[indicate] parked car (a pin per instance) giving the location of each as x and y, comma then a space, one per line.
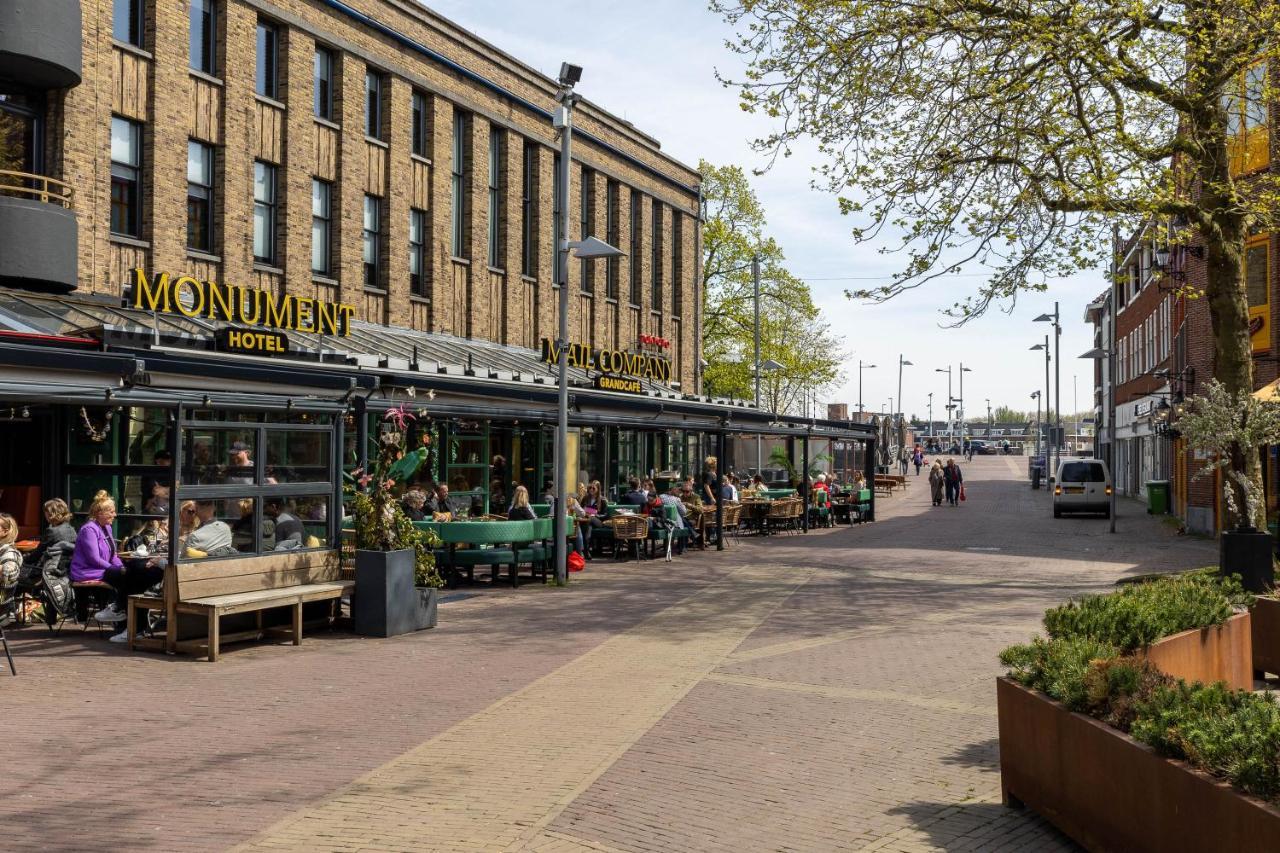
1082, 485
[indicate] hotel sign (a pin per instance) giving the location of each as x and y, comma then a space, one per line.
208, 300
251, 342
612, 362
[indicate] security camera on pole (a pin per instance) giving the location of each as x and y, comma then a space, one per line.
586, 249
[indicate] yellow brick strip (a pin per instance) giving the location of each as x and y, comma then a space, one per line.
861, 693
496, 780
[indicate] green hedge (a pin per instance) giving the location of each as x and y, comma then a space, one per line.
1086, 663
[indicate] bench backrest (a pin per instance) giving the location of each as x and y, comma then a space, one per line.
204, 578
774, 494
482, 532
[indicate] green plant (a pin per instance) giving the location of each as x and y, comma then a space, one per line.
380, 522
1113, 688
1057, 667
1137, 615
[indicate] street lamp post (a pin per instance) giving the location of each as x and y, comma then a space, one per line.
902, 362
1055, 319
990, 425
1047, 358
587, 248
861, 367
950, 400
1035, 395
930, 414
963, 371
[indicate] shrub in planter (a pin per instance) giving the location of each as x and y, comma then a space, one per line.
1057, 667
1137, 615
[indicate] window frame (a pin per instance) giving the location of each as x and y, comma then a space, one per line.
529, 210
269, 208
209, 31
635, 293
558, 271
202, 195
677, 262
374, 103
371, 242
458, 180
136, 21
586, 217
268, 79
420, 138
418, 252
326, 221
613, 194
322, 82
655, 255
127, 175
497, 192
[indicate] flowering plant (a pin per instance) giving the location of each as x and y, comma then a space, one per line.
380, 521
1220, 424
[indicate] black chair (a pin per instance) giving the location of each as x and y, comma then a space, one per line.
8, 613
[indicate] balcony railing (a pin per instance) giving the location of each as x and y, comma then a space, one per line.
39, 187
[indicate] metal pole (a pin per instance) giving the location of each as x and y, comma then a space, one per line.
859, 389
900, 380
1057, 383
562, 426
755, 283
962, 408
1048, 454
930, 414
1111, 371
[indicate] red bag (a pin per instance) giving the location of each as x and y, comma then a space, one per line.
962, 491
575, 562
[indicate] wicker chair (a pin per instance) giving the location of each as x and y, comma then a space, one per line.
795, 509
778, 517
732, 518
633, 530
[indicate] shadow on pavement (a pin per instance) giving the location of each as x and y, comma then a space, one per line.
951, 826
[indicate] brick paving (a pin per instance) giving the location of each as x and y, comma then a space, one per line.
820, 692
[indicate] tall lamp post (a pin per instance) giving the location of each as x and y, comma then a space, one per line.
963, 371
861, 367
587, 248
1035, 395
902, 362
1047, 358
990, 425
930, 414
1055, 319
950, 400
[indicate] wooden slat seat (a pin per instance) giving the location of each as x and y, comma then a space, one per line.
221, 587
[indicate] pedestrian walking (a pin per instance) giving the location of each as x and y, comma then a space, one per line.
902, 461
954, 482
936, 480
918, 459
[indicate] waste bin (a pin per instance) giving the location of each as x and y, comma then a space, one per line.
1157, 497
1036, 471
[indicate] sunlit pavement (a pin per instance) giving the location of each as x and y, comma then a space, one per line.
811, 692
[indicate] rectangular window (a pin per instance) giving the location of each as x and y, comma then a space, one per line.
126, 22
371, 236
323, 80
677, 262
373, 104
421, 115
557, 221
204, 35
612, 237
529, 211
655, 257
458, 175
497, 198
418, 252
587, 216
199, 196
126, 177
321, 226
1257, 276
264, 212
637, 288
267, 81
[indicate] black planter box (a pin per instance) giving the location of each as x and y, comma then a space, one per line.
1248, 553
385, 602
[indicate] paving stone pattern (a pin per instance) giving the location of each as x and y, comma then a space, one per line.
832, 691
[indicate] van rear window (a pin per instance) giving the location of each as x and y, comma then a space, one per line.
1083, 472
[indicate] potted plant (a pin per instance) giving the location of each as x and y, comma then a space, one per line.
1219, 425
397, 585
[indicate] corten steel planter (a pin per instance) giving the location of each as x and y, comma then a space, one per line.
1264, 620
1111, 793
1221, 653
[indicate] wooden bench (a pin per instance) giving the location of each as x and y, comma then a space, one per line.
885, 483
215, 588
898, 479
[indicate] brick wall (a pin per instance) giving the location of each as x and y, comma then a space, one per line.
476, 298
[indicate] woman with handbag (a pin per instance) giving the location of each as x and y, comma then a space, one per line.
954, 482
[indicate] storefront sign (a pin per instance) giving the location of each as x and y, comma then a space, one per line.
617, 383
655, 341
613, 361
208, 300
253, 343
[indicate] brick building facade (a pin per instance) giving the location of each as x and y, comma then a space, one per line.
405, 134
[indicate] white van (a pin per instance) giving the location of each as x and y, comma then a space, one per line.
1082, 485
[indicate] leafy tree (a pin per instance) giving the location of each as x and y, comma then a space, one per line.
1014, 134
792, 332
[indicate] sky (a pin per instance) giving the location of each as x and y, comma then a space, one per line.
654, 63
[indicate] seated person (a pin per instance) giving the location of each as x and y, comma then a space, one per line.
289, 533
10, 556
520, 509
859, 483
212, 538
56, 543
634, 495
412, 503
594, 504
443, 504
95, 549
689, 495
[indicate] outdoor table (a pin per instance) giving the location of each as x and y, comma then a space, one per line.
756, 509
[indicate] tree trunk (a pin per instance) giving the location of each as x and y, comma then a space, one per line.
1229, 314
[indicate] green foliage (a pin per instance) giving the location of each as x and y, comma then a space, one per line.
1057, 667
1233, 734
1139, 614
792, 331
1113, 688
